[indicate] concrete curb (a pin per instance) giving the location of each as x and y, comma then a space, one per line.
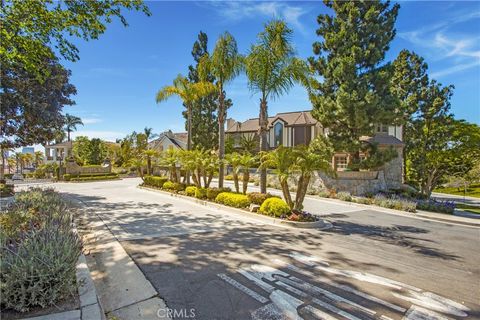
90, 305
320, 225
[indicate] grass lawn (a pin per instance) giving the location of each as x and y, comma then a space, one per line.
472, 191
466, 207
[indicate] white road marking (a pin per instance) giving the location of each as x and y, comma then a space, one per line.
418, 313
265, 286
342, 287
384, 317
287, 304
242, 288
319, 314
268, 311
435, 302
308, 260
267, 272
295, 282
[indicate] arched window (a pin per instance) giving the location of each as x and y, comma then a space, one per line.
278, 134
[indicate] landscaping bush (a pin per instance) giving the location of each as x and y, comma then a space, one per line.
8, 175
394, 202
233, 199
259, 198
190, 191
274, 207
324, 193
212, 193
6, 190
201, 193
436, 206
229, 177
363, 200
173, 186
154, 181
344, 196
67, 177
39, 251
95, 178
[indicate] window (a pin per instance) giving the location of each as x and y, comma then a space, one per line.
341, 163
278, 134
382, 128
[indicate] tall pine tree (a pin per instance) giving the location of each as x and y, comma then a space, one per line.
204, 117
352, 92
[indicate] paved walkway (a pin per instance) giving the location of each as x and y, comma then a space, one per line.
214, 264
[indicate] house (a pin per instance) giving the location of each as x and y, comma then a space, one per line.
299, 127
169, 140
58, 152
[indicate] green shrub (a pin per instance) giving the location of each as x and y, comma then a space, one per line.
154, 181
6, 190
274, 207
324, 193
179, 186
233, 199
190, 191
201, 193
344, 196
173, 186
67, 177
212, 193
95, 178
8, 175
259, 198
229, 177
39, 251
394, 202
364, 200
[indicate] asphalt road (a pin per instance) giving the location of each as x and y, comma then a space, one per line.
213, 264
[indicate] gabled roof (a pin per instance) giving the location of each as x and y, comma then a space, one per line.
178, 139
383, 140
290, 118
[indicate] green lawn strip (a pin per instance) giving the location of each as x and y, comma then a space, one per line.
468, 208
472, 191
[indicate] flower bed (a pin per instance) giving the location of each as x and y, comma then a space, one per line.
39, 251
270, 205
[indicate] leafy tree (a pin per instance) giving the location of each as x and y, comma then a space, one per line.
203, 111
353, 92
189, 93
224, 65
31, 27
438, 145
31, 110
272, 69
89, 152
71, 123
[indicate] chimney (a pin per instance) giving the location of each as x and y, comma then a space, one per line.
169, 134
230, 122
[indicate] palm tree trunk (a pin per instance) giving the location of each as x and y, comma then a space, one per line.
235, 180
221, 137
286, 192
263, 123
301, 191
189, 139
149, 165
68, 135
246, 178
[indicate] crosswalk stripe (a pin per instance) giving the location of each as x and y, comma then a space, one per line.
319, 314
242, 288
265, 286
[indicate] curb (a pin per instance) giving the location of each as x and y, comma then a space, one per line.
90, 306
320, 225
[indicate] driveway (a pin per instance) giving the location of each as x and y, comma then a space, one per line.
214, 264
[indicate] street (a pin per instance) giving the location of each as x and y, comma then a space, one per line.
222, 265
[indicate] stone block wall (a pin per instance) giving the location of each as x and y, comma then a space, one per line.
73, 168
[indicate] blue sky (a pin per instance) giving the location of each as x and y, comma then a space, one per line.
118, 75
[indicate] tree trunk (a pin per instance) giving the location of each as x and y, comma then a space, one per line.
149, 165
301, 191
235, 180
189, 139
246, 178
209, 180
221, 137
263, 123
286, 192
68, 135
2, 174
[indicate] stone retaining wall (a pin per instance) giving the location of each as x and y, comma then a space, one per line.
73, 168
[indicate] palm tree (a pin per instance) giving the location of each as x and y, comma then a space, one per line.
224, 64
272, 70
189, 92
235, 161
38, 155
71, 123
149, 154
246, 161
149, 133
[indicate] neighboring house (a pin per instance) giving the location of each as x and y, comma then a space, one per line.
299, 127
58, 152
30, 150
169, 140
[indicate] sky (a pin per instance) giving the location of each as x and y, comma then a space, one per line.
118, 75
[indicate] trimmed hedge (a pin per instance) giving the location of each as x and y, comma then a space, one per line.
190, 191
94, 178
212, 193
233, 199
259, 198
154, 181
173, 186
274, 207
201, 193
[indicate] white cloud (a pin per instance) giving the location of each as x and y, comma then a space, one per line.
461, 50
105, 135
236, 11
91, 120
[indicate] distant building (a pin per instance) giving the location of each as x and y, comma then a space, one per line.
169, 140
30, 150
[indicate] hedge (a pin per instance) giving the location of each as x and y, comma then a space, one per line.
154, 181
201, 193
190, 191
259, 198
173, 186
212, 193
233, 199
274, 207
94, 178
72, 177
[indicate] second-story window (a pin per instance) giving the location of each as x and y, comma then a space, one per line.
382, 128
278, 134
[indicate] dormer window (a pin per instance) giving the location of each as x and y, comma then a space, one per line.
381, 128
278, 134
